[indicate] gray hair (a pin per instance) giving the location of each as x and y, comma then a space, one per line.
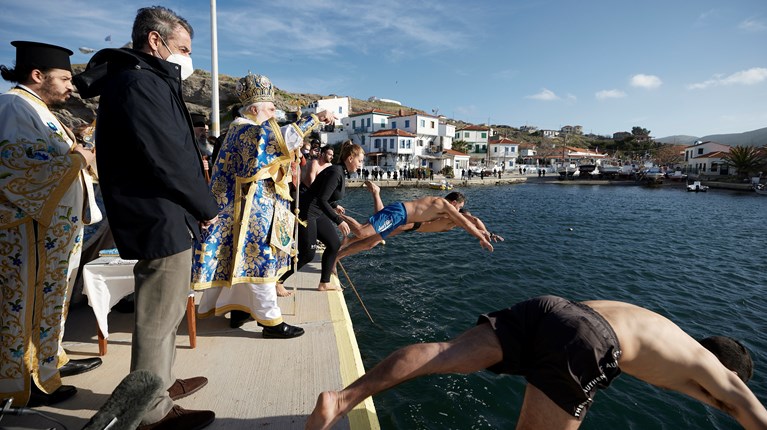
258, 105
159, 19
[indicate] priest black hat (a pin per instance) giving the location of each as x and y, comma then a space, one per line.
199, 120
36, 55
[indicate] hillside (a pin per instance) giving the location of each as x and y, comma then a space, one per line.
197, 94
749, 138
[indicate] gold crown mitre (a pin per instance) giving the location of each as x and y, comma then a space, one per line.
254, 88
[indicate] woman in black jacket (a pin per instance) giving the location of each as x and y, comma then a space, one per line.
319, 207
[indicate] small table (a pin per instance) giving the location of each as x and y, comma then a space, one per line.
106, 280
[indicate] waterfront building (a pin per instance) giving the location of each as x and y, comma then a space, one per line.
393, 149
359, 126
707, 158
338, 105
455, 159
502, 153
477, 137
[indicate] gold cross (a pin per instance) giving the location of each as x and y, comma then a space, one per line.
201, 254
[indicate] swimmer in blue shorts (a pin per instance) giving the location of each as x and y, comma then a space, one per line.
567, 351
356, 245
422, 210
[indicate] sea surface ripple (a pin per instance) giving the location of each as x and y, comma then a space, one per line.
696, 258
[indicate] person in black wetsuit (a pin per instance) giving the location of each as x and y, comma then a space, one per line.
320, 209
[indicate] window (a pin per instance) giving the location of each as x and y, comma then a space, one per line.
408, 144
383, 122
377, 143
700, 152
391, 143
432, 124
495, 149
423, 123
465, 134
402, 144
407, 123
394, 124
340, 109
368, 122
354, 124
484, 135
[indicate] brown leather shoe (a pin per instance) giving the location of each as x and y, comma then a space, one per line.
179, 418
186, 387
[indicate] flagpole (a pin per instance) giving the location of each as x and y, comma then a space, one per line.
215, 126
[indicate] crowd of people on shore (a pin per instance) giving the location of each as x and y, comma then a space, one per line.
235, 217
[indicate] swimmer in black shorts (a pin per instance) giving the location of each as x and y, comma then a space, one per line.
567, 351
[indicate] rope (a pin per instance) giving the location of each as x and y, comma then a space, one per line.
355, 292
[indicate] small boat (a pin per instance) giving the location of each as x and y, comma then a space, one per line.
697, 187
442, 185
760, 189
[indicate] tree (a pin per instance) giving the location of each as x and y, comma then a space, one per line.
461, 146
747, 160
668, 155
640, 131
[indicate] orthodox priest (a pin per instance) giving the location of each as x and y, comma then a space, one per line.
241, 258
43, 200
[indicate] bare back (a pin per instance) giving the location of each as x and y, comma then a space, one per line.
431, 208
427, 209
311, 170
657, 351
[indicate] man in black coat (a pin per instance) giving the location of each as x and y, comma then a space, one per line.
154, 191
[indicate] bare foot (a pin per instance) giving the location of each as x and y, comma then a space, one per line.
325, 413
373, 188
328, 286
282, 292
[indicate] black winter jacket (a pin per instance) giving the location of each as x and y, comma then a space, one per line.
150, 169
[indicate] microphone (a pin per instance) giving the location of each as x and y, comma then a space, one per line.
128, 403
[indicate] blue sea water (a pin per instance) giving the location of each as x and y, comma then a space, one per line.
696, 258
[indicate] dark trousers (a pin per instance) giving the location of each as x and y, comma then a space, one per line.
321, 228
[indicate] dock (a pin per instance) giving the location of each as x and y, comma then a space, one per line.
253, 382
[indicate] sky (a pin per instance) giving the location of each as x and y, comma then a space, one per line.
691, 67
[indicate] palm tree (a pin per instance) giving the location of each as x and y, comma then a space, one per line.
461, 146
746, 159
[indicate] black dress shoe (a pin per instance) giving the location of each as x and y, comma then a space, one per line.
282, 331
76, 367
238, 318
38, 398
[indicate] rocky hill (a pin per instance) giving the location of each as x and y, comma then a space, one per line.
197, 94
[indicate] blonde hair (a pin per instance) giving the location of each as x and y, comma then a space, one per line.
350, 148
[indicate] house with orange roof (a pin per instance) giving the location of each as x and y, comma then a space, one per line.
502, 153
392, 149
707, 158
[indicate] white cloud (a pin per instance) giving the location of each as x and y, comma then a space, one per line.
751, 76
752, 24
646, 81
545, 95
610, 94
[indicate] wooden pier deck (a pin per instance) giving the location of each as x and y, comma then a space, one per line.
253, 382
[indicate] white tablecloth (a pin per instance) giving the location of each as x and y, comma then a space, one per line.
106, 280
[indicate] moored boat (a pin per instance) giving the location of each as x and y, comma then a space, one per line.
441, 185
696, 186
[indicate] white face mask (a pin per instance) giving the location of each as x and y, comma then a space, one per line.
184, 61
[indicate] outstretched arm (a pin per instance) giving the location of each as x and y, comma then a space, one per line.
464, 223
